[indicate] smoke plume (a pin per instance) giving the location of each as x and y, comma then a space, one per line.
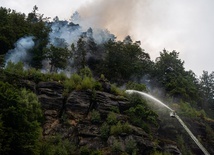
117, 16
20, 52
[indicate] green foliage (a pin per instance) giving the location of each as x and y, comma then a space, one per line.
20, 116
115, 109
131, 146
124, 61
17, 68
79, 54
120, 128
95, 116
85, 72
57, 146
84, 150
58, 57
115, 90
72, 83
170, 74
183, 146
116, 146
187, 110
209, 134
111, 118
136, 86
15, 25
140, 114
160, 153
36, 75
87, 83
104, 130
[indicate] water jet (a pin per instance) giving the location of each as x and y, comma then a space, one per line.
172, 114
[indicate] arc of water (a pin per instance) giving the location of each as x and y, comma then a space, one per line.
176, 116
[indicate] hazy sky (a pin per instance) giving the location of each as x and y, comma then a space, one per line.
186, 26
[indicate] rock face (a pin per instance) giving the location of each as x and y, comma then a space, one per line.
72, 117
52, 102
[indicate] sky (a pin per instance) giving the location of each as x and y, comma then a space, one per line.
186, 26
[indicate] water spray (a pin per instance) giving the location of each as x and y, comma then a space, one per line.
172, 114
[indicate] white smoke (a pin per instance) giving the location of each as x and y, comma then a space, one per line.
63, 30
71, 31
63, 33
20, 52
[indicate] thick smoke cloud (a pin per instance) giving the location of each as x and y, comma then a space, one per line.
117, 16
184, 26
21, 50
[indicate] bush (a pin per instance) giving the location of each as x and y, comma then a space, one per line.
85, 72
57, 146
141, 114
98, 86
95, 116
187, 110
87, 83
73, 83
120, 128
131, 146
112, 118
84, 150
115, 90
136, 86
116, 147
20, 116
13, 68
104, 131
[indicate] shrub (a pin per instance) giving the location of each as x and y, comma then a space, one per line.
111, 118
17, 68
97, 86
120, 128
73, 83
104, 131
116, 146
20, 115
76, 78
115, 90
36, 75
136, 86
86, 72
95, 116
56, 145
115, 109
188, 110
87, 83
84, 150
140, 113
160, 153
131, 146
58, 77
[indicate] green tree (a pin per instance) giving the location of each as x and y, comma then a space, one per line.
20, 115
15, 25
170, 73
124, 61
207, 91
40, 30
58, 57
12, 27
80, 54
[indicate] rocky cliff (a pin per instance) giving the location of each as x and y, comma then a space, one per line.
72, 117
